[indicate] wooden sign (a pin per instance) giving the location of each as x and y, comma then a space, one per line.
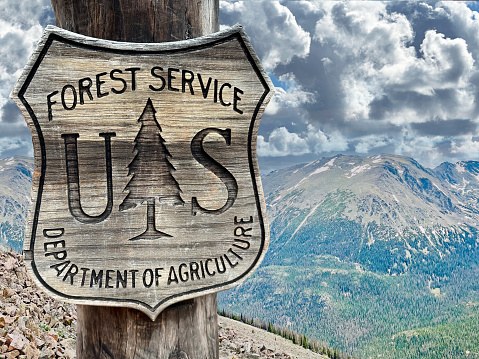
146, 189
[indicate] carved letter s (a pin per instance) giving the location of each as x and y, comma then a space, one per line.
211, 164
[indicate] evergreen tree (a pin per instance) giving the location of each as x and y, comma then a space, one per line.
151, 172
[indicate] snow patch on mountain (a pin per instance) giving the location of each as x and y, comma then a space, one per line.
377, 159
358, 169
305, 219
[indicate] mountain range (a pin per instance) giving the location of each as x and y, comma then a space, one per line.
378, 256
365, 208
15, 185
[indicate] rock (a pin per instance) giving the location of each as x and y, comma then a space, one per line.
18, 341
68, 343
22, 323
10, 320
70, 353
31, 351
11, 310
16, 287
59, 352
10, 263
232, 346
247, 347
46, 353
50, 340
8, 292
39, 342
12, 354
54, 336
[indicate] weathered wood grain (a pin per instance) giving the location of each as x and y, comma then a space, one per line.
148, 189
186, 330
138, 21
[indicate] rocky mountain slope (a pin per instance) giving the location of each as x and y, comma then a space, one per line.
32, 325
387, 213
35, 326
239, 340
15, 185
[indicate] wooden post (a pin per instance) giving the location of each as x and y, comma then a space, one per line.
187, 330
138, 21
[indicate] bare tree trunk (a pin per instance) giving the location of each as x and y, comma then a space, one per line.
187, 330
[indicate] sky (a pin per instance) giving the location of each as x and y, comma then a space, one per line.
351, 77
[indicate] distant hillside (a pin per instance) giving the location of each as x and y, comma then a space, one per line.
15, 185
376, 255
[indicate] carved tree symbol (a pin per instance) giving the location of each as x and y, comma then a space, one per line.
151, 172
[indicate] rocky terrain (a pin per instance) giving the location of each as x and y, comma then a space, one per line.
239, 340
33, 325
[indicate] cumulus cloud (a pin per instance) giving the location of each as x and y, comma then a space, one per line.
467, 147
438, 127
289, 95
367, 143
281, 142
382, 73
398, 77
277, 36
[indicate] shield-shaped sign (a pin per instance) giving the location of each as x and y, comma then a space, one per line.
146, 188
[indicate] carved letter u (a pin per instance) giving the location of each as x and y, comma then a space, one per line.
73, 178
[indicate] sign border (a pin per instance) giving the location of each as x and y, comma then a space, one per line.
53, 33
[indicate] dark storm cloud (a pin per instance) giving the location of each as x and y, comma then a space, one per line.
423, 16
438, 127
379, 108
11, 113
